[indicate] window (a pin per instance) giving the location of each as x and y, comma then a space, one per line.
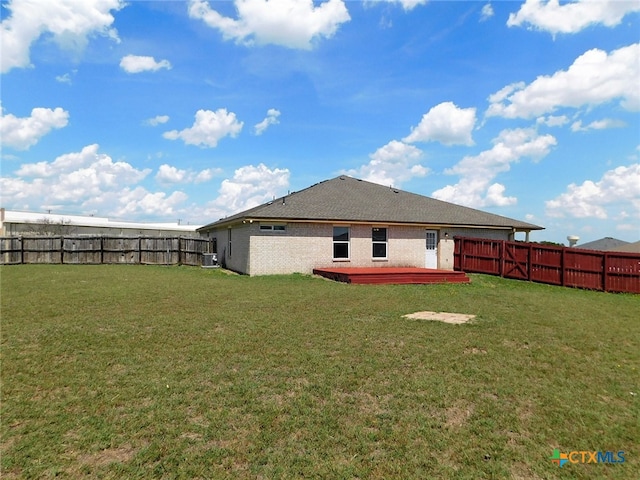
341, 242
431, 239
272, 228
229, 243
379, 241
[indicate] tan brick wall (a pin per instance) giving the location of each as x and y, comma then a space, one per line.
446, 247
299, 249
305, 246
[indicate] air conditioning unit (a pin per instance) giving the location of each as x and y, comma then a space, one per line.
210, 260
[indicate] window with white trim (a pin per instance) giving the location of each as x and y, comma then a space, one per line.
379, 242
229, 243
272, 228
341, 243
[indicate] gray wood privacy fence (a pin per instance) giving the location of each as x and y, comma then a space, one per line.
76, 249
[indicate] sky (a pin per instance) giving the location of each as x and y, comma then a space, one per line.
194, 110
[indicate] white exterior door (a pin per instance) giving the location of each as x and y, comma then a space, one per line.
431, 256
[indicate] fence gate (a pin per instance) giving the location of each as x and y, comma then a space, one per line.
555, 265
516, 261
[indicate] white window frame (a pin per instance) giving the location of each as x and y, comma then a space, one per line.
276, 228
380, 242
341, 242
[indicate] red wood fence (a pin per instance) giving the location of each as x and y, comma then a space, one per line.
570, 267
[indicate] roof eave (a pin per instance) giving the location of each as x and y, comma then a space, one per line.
243, 219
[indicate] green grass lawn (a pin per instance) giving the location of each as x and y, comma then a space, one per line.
181, 372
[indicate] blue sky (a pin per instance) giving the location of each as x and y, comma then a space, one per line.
193, 110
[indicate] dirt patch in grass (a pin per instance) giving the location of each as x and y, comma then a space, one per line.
521, 471
475, 351
121, 454
458, 414
453, 318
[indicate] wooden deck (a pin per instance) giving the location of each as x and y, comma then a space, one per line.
391, 275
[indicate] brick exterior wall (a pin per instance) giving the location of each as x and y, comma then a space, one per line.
305, 246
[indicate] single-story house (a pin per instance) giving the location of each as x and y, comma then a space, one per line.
347, 222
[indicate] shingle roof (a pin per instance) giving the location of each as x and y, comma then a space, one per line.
628, 248
348, 199
603, 244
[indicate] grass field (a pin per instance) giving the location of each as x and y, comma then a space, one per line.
181, 372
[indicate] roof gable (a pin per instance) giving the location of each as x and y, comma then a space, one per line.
348, 199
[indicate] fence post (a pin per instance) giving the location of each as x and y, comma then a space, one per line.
562, 262
501, 258
21, 250
605, 272
463, 257
529, 262
101, 249
62, 250
179, 250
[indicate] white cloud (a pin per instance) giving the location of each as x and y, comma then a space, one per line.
495, 196
505, 92
288, 23
270, 119
627, 227
208, 129
157, 120
74, 177
594, 78
250, 186
168, 175
66, 78
553, 120
477, 172
89, 181
445, 123
138, 64
392, 164
70, 22
407, 5
133, 202
571, 17
603, 124
620, 186
22, 133
486, 13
